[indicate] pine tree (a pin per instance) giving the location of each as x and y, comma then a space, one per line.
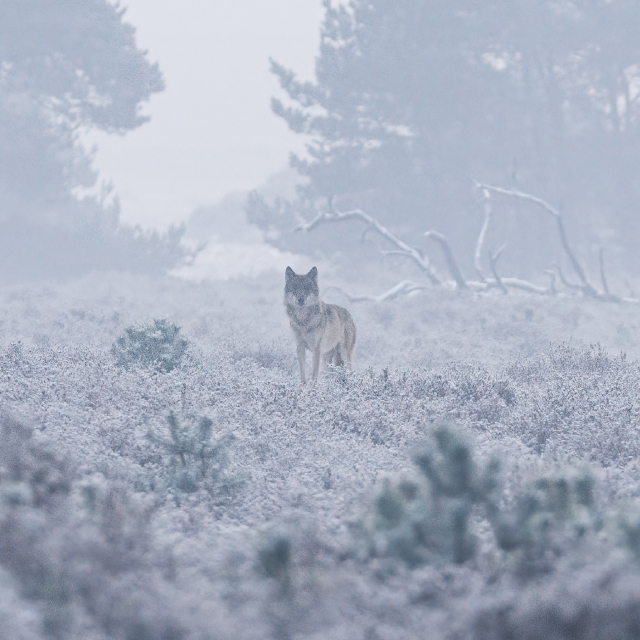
413, 99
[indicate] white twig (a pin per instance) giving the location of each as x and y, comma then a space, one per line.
524, 285
404, 249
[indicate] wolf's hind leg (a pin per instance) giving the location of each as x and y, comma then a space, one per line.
339, 355
329, 356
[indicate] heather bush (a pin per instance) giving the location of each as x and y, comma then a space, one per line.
158, 345
577, 403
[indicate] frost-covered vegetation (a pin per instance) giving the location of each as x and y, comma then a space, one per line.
158, 345
476, 475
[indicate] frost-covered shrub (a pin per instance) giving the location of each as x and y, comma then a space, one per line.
195, 461
79, 553
591, 603
274, 561
158, 345
577, 402
271, 356
552, 515
424, 518
274, 556
34, 484
112, 563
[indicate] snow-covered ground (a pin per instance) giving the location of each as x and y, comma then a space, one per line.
299, 512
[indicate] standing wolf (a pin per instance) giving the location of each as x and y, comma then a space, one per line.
324, 329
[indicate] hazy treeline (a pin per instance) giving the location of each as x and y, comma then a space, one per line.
65, 68
412, 101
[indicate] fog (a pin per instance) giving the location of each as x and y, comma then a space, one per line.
183, 456
211, 130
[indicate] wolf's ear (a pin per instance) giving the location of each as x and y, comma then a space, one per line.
313, 274
289, 273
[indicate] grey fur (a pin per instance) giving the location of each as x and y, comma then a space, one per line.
324, 329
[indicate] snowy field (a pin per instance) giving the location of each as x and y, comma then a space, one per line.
475, 476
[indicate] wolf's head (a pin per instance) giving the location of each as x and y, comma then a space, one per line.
301, 291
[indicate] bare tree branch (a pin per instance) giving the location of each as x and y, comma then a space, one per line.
448, 255
402, 288
515, 193
486, 195
565, 282
516, 283
493, 258
411, 252
632, 292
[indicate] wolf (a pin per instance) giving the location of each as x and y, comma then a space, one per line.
324, 329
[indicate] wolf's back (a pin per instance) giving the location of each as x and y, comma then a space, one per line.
343, 324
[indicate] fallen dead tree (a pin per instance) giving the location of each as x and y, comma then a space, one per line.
484, 282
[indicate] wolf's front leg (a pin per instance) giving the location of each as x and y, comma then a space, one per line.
301, 361
315, 369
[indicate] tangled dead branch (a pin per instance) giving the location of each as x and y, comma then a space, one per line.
458, 281
586, 287
403, 249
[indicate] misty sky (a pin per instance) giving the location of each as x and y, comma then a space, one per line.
211, 130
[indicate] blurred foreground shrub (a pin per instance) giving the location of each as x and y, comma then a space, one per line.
79, 553
158, 345
426, 516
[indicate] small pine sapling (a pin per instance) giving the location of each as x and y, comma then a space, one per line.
194, 460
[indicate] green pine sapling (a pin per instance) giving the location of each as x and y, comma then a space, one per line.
195, 460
